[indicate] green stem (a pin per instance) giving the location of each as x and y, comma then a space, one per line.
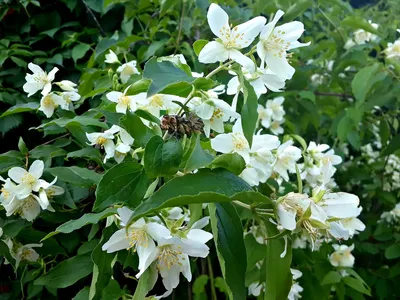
187, 100
211, 273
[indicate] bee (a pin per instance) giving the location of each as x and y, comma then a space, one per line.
179, 125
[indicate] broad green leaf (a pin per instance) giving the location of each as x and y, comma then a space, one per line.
125, 183
135, 127
254, 250
344, 127
362, 82
19, 108
331, 277
11, 159
112, 291
307, 95
81, 120
22, 146
79, 51
249, 112
86, 219
393, 146
67, 272
162, 158
76, 175
88, 153
47, 151
233, 162
278, 275
163, 74
5, 252
384, 131
356, 22
104, 45
140, 86
357, 285
393, 251
143, 286
228, 237
205, 186
83, 294
196, 157
199, 45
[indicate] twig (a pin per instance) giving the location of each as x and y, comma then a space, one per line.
180, 27
211, 274
333, 94
103, 34
55, 139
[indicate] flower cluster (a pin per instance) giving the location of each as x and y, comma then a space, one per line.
361, 37
392, 216
393, 49
342, 256
50, 101
272, 115
24, 192
164, 250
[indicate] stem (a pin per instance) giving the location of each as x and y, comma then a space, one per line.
211, 273
220, 68
180, 27
187, 100
242, 204
53, 140
94, 18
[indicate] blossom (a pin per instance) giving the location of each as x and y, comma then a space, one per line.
391, 216
341, 205
127, 70
50, 102
255, 288
104, 140
261, 80
234, 142
275, 41
286, 158
138, 236
23, 252
342, 256
123, 101
29, 180
111, 58
39, 80
361, 36
352, 225
393, 50
154, 104
296, 289
67, 85
230, 40
69, 97
291, 206
123, 146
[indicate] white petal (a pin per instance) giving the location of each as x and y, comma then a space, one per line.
109, 147
213, 52
199, 235
338, 231
43, 200
259, 87
52, 74
218, 19
114, 96
195, 249
144, 252
121, 108
36, 169
186, 268
341, 205
204, 111
200, 224
117, 242
31, 88
248, 31
292, 31
170, 276
242, 59
222, 143
16, 174
279, 65
35, 68
157, 231
233, 85
46, 89
287, 217
273, 82
125, 137
125, 214
267, 30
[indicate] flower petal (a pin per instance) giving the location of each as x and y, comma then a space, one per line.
36, 168
248, 31
242, 59
222, 143
218, 20
213, 52
279, 65
16, 174
117, 242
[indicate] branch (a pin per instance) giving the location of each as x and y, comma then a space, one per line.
103, 34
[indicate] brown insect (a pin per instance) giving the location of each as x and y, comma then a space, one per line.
180, 125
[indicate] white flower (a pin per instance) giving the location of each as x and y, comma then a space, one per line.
296, 289
123, 101
361, 36
23, 252
255, 288
393, 50
261, 80
342, 256
286, 158
39, 80
67, 85
341, 205
127, 70
154, 104
352, 225
291, 206
214, 112
29, 180
123, 146
276, 127
111, 58
234, 142
138, 236
349, 43
229, 40
391, 216
69, 97
104, 140
50, 102
275, 41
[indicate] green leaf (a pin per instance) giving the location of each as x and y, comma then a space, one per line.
67, 272
228, 236
363, 81
393, 146
5, 252
125, 183
11, 159
86, 219
344, 126
162, 159
112, 291
199, 45
297, 9
81, 120
83, 294
331, 277
357, 285
22, 146
278, 275
384, 131
104, 45
356, 22
249, 112
79, 51
205, 186
393, 251
163, 74
307, 95
19, 108
47, 151
88, 153
135, 127
76, 175
233, 162
196, 157
143, 286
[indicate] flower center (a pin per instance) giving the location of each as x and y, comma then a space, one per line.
276, 44
6, 194
138, 237
124, 100
128, 70
26, 254
28, 178
239, 142
168, 257
156, 101
218, 114
48, 102
230, 37
101, 141
40, 78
